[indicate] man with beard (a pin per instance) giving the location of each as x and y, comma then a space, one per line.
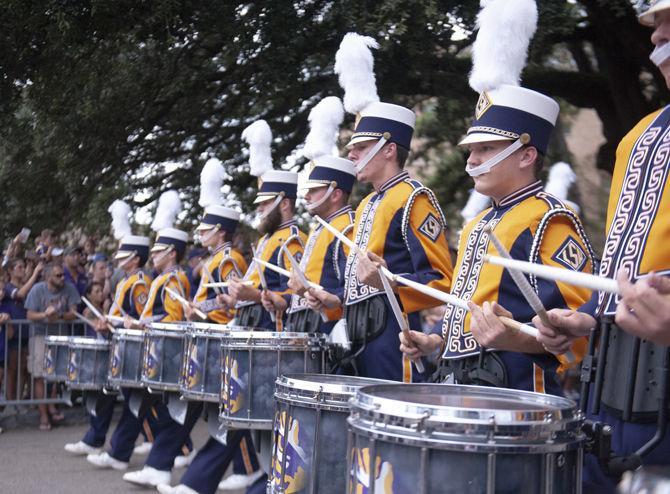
276, 207
48, 301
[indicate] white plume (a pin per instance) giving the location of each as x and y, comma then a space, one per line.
259, 138
324, 125
120, 212
169, 206
354, 64
211, 181
500, 50
560, 178
477, 203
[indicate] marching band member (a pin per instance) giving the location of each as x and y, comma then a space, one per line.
216, 230
507, 142
399, 224
328, 186
167, 251
130, 297
276, 206
633, 349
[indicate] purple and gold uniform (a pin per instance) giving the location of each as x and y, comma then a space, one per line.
324, 262
269, 249
131, 295
403, 223
161, 306
637, 229
220, 266
533, 226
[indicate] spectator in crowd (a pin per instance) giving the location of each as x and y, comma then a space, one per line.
100, 273
5, 333
45, 244
16, 291
48, 302
73, 270
95, 294
89, 248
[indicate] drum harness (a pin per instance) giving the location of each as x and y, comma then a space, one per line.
599, 434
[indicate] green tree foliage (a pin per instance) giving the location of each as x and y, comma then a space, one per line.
96, 96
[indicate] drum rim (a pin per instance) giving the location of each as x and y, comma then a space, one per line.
273, 339
57, 339
293, 382
88, 342
125, 333
396, 409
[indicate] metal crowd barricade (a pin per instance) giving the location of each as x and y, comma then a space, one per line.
17, 384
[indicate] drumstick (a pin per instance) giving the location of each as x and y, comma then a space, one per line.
448, 298
96, 312
185, 303
342, 237
524, 286
118, 319
284, 272
585, 280
224, 284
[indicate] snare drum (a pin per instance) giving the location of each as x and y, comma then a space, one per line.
309, 443
125, 358
88, 363
201, 373
163, 356
251, 363
56, 358
427, 438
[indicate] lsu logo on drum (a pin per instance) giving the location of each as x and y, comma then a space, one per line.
193, 368
49, 363
231, 390
72, 367
360, 473
293, 456
151, 362
115, 364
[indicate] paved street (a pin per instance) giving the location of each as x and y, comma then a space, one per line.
34, 462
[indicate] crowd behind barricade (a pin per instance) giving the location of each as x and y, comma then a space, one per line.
41, 284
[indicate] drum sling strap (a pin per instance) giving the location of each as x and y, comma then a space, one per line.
250, 315
630, 379
485, 369
303, 321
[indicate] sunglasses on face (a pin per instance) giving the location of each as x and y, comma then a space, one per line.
58, 275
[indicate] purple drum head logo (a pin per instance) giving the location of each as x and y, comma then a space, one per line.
116, 361
296, 457
360, 473
72, 367
193, 368
151, 362
233, 398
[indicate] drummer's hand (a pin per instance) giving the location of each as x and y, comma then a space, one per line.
644, 310
4, 317
129, 322
240, 291
419, 344
319, 300
225, 301
295, 286
273, 302
487, 328
189, 311
367, 270
566, 326
100, 326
